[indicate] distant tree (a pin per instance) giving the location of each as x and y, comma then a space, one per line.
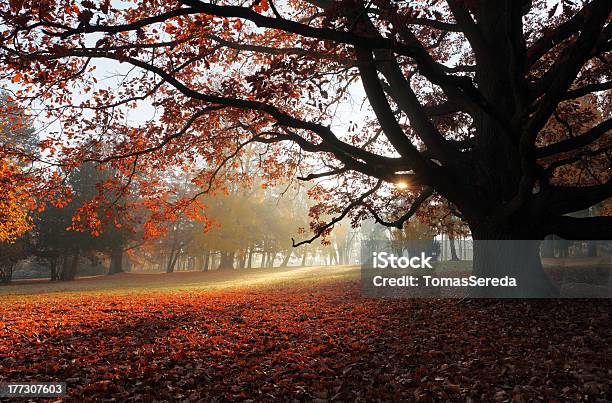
10, 254
18, 146
63, 243
15, 202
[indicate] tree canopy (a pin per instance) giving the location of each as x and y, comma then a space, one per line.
473, 105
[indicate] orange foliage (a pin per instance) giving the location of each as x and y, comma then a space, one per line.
15, 203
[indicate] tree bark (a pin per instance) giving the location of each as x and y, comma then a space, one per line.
227, 261
6, 273
592, 249
127, 264
116, 263
53, 267
270, 259
250, 258
548, 248
242, 259
172, 262
453, 249
286, 259
70, 266
206, 260
562, 247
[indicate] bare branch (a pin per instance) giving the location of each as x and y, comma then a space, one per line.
399, 223
165, 141
339, 218
312, 176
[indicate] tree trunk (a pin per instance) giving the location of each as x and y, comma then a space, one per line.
53, 267
304, 259
70, 266
206, 260
332, 257
343, 253
499, 253
453, 250
250, 258
6, 273
562, 247
168, 261
242, 260
592, 248
127, 264
62, 265
286, 259
172, 262
227, 261
548, 247
116, 263
270, 260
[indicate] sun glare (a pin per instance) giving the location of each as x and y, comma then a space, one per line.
401, 185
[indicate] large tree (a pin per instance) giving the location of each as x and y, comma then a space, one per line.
459, 94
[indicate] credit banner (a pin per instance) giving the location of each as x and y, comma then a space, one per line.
553, 268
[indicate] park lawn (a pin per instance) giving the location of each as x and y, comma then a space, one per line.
182, 281
304, 334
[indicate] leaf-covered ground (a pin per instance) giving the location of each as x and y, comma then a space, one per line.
306, 342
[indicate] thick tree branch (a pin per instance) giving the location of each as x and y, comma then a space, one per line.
587, 228
384, 113
442, 109
284, 119
553, 37
346, 37
587, 89
384, 172
575, 142
401, 92
197, 7
114, 29
550, 169
468, 26
565, 71
566, 199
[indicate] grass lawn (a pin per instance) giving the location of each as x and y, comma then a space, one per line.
182, 281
